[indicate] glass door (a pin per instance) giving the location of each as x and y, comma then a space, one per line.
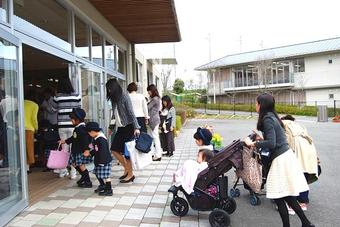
13, 182
92, 101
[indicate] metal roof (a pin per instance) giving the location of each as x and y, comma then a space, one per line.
320, 46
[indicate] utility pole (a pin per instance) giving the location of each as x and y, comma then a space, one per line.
176, 61
213, 70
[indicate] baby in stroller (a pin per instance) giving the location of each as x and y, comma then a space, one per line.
186, 175
203, 199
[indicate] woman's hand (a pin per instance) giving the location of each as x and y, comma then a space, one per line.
136, 132
146, 121
172, 129
249, 142
62, 142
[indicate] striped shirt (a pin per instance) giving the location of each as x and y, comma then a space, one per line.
65, 103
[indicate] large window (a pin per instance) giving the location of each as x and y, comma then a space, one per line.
3, 11
299, 65
10, 160
97, 48
91, 102
47, 16
81, 38
121, 61
109, 55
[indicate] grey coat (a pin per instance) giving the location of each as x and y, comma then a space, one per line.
154, 107
125, 111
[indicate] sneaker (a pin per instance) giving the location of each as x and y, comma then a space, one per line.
73, 175
56, 171
303, 206
63, 173
290, 210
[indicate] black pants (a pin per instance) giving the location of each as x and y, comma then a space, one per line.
167, 141
141, 122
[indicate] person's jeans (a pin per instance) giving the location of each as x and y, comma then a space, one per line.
141, 122
155, 135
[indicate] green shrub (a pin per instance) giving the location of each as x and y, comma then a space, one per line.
178, 123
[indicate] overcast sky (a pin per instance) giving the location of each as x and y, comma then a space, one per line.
243, 25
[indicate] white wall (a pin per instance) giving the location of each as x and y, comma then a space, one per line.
322, 97
319, 73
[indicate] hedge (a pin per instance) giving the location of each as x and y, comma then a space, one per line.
178, 123
280, 108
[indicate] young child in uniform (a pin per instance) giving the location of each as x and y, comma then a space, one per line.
80, 141
102, 159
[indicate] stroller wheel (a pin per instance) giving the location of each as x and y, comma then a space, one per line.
179, 207
234, 192
254, 200
219, 218
229, 205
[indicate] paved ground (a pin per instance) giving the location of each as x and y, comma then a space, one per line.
146, 201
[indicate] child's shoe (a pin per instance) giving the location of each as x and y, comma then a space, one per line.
107, 190
100, 188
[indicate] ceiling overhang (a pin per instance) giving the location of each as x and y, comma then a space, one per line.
142, 21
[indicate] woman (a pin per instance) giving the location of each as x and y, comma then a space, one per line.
304, 149
66, 99
139, 106
285, 178
31, 125
50, 107
126, 122
168, 127
154, 106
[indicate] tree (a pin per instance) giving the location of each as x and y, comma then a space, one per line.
178, 86
165, 76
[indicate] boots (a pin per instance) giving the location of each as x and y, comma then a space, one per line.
107, 190
101, 186
87, 182
81, 174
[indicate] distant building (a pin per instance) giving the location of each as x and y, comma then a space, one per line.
301, 73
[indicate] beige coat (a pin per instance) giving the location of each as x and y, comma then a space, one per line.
302, 144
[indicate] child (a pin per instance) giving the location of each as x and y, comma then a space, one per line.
80, 141
102, 159
187, 174
203, 138
167, 134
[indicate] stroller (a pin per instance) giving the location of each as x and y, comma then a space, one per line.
220, 204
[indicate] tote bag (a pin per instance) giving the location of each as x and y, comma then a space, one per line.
252, 170
144, 142
139, 160
58, 159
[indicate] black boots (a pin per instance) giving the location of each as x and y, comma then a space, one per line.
107, 190
101, 186
86, 183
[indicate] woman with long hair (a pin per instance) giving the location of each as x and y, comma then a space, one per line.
126, 124
168, 126
285, 177
154, 106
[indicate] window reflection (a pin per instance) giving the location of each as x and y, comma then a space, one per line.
97, 48
81, 39
10, 167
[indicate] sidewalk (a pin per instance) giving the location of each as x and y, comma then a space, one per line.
142, 203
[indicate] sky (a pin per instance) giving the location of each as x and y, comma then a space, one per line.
242, 25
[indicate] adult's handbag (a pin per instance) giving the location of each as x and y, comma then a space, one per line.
138, 159
144, 142
58, 159
252, 170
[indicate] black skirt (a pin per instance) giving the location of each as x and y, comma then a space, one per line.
167, 141
123, 135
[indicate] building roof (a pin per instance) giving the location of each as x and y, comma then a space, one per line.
144, 21
296, 50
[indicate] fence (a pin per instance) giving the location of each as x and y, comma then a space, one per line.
301, 108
